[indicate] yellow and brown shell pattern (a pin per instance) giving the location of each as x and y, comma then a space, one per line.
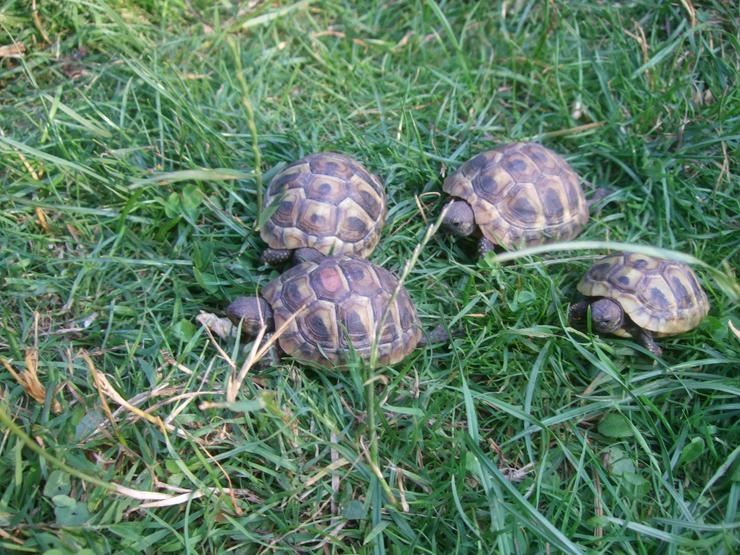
345, 299
661, 296
326, 201
522, 194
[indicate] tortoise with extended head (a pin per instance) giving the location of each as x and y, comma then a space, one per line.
324, 204
517, 195
635, 295
343, 303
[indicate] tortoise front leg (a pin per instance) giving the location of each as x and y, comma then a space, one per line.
485, 246
645, 338
273, 354
599, 194
577, 314
437, 335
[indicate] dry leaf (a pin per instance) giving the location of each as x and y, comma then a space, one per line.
105, 389
220, 326
14, 50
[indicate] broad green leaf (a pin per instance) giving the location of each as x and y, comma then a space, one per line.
57, 484
692, 451
207, 281
615, 425
69, 512
184, 330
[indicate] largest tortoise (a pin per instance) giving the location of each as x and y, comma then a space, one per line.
333, 306
640, 296
324, 204
517, 195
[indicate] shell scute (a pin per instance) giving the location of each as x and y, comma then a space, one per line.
288, 208
492, 185
316, 217
326, 189
545, 162
524, 206
329, 283
367, 197
520, 166
475, 165
319, 325
353, 225
330, 163
297, 293
356, 317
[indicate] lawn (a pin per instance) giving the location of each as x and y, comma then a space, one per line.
134, 139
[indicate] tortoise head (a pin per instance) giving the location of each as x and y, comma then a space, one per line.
254, 312
460, 219
607, 315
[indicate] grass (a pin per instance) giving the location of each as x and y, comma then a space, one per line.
135, 138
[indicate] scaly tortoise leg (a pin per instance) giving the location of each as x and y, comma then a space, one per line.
276, 257
645, 338
437, 335
485, 246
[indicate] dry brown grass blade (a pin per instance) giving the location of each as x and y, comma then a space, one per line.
41, 215
234, 384
326, 470
7, 536
402, 491
36, 175
37, 22
106, 390
28, 379
691, 10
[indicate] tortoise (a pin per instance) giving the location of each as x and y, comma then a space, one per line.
640, 296
324, 203
517, 195
341, 304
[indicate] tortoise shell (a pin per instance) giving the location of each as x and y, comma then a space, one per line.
328, 202
661, 296
522, 194
345, 300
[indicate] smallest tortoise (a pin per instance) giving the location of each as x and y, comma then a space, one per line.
639, 296
517, 195
342, 303
324, 204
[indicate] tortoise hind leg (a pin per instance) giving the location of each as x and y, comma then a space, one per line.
276, 257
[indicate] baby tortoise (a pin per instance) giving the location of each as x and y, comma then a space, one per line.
635, 295
324, 204
340, 303
517, 195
